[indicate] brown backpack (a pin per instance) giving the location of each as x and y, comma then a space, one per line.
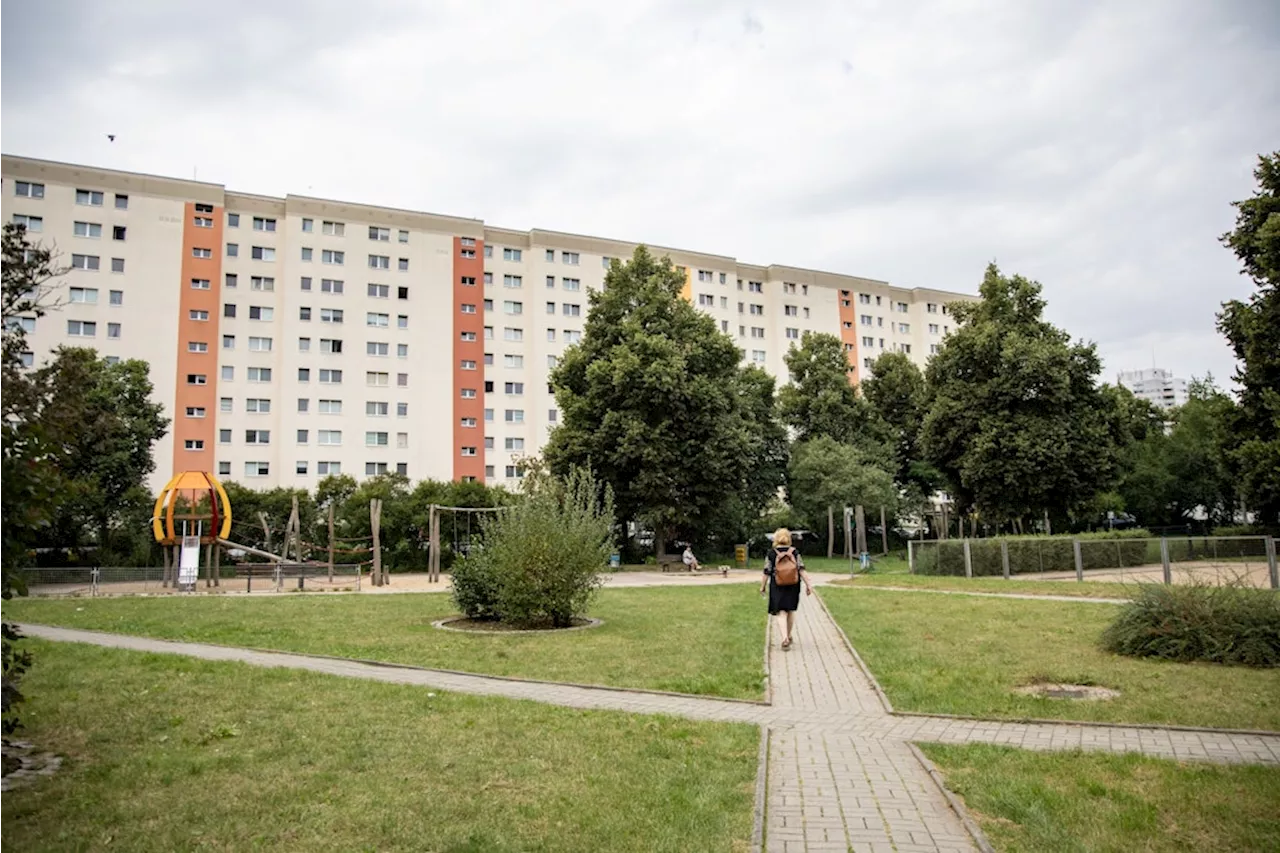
786, 571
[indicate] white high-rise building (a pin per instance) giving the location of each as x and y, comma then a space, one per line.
1155, 385
292, 338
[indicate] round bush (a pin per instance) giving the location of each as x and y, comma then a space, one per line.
539, 562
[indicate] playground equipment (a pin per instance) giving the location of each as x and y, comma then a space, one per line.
191, 511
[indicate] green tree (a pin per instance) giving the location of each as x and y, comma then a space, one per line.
1253, 328
1015, 421
820, 401
31, 478
106, 424
651, 401
826, 473
895, 390
1198, 454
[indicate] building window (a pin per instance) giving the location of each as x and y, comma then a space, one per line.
197, 379
570, 310
35, 224
199, 346
705, 276
757, 310
259, 374
330, 377
257, 436
572, 284
375, 439
513, 361
93, 198
113, 331
83, 295
259, 344
233, 250
329, 437
402, 264
330, 407
755, 286
193, 444
379, 291
87, 229
26, 189
331, 315
116, 297
198, 316
328, 468
233, 220
331, 285
257, 469
512, 254
199, 284
791, 311
379, 262
512, 281
757, 355
329, 256
261, 312
263, 253
81, 329
382, 235
513, 416
793, 334
404, 236
509, 307
378, 348
332, 229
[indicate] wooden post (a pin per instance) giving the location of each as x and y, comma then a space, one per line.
165, 551
177, 561
208, 565
433, 530
217, 564
831, 532
861, 529
884, 533
1048, 528
945, 523
330, 542
266, 530
294, 534
848, 534
375, 516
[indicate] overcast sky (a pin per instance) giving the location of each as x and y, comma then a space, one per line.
1092, 146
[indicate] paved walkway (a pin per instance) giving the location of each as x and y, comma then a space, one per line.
841, 774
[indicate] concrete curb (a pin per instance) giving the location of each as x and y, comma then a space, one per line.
388, 665
1086, 724
1023, 596
758, 837
975, 832
857, 658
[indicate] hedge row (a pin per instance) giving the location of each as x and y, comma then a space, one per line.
1109, 550
1116, 549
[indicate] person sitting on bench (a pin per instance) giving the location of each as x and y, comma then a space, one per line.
689, 560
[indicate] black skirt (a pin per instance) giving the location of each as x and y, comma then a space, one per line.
783, 597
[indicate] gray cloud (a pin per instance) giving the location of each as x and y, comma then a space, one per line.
1092, 146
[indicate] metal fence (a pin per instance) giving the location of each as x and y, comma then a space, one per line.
1217, 559
134, 580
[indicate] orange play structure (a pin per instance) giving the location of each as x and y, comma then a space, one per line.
192, 510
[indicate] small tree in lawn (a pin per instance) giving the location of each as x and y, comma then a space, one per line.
541, 558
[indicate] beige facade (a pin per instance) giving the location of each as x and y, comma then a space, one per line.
342, 335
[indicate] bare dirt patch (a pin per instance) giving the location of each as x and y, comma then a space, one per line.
488, 626
1077, 692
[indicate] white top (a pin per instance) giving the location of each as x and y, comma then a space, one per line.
688, 556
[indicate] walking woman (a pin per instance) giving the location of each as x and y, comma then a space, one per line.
783, 573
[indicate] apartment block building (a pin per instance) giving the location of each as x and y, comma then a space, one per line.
1155, 385
292, 338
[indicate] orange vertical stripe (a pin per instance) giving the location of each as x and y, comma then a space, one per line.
468, 289
189, 331
849, 334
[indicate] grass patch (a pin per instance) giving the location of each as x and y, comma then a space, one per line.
960, 655
705, 640
168, 753
1045, 802
1087, 589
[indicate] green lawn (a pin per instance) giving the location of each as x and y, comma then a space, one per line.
169, 753
961, 655
707, 640
1071, 802
1087, 589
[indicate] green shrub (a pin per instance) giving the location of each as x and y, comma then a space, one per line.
539, 562
1105, 550
1230, 624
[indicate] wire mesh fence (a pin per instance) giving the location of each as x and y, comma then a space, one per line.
242, 577
1214, 559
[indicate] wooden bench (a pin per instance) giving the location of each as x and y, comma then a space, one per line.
673, 564
278, 572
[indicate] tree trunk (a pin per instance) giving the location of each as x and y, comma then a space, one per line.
831, 532
660, 540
